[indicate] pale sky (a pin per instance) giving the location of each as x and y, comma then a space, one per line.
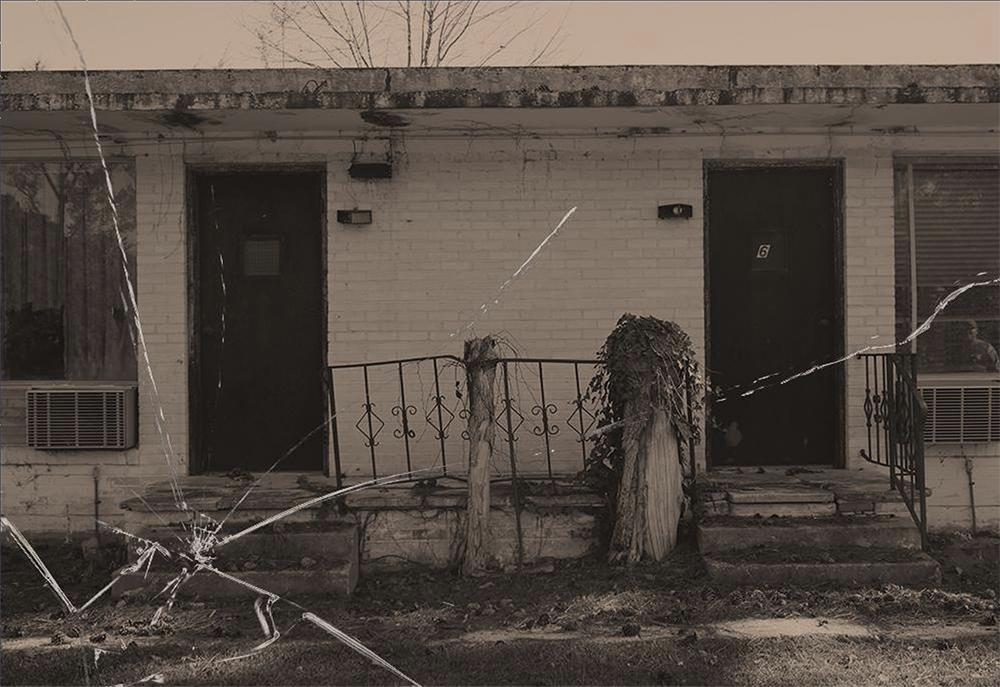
150, 34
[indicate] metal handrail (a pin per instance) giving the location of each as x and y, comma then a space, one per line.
895, 413
404, 361
580, 420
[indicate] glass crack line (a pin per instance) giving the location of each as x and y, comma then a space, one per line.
153, 391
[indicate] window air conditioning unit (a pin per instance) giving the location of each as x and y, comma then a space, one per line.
74, 418
962, 414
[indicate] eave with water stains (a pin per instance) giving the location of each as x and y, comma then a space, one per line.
630, 99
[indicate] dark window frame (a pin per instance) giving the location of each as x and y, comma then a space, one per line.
95, 193
908, 271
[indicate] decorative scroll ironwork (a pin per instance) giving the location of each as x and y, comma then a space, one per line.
546, 429
903, 414
894, 414
410, 409
439, 409
371, 433
404, 429
501, 419
583, 419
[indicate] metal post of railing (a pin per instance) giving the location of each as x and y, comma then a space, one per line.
513, 468
332, 396
579, 405
868, 396
877, 401
403, 418
368, 413
688, 385
892, 416
918, 445
545, 421
438, 400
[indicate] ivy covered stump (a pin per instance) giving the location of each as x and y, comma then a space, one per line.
646, 378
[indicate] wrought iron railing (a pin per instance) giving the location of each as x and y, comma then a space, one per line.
895, 413
539, 401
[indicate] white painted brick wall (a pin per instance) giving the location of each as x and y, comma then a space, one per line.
457, 220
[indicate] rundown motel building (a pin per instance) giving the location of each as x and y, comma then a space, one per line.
810, 212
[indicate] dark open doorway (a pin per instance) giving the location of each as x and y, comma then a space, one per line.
258, 319
774, 308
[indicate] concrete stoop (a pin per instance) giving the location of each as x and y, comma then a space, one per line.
921, 569
808, 526
333, 579
729, 534
296, 559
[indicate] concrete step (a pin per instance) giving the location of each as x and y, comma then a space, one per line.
883, 506
916, 569
330, 579
135, 520
748, 495
321, 541
783, 510
217, 496
289, 558
733, 534
741, 504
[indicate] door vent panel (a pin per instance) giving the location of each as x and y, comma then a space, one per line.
962, 414
74, 418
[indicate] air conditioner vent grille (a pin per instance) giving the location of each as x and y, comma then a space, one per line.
76, 418
960, 415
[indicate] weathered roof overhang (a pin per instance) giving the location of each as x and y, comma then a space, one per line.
540, 97
506, 87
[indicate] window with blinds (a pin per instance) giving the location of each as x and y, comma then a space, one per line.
947, 234
63, 315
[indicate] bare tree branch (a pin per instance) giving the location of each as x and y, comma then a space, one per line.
355, 41
409, 35
503, 46
363, 33
430, 6
264, 41
311, 39
459, 33
556, 40
336, 31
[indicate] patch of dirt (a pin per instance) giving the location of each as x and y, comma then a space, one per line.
23, 590
968, 563
587, 596
892, 599
790, 627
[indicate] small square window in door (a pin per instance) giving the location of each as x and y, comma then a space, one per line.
262, 256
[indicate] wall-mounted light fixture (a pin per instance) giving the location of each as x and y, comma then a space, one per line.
354, 217
370, 170
675, 211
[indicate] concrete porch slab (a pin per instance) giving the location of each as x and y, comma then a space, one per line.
783, 510
731, 534
332, 580
841, 485
776, 495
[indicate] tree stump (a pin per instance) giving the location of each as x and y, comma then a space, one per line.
480, 374
650, 493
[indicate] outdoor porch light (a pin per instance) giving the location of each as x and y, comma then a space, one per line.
675, 211
354, 216
370, 170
